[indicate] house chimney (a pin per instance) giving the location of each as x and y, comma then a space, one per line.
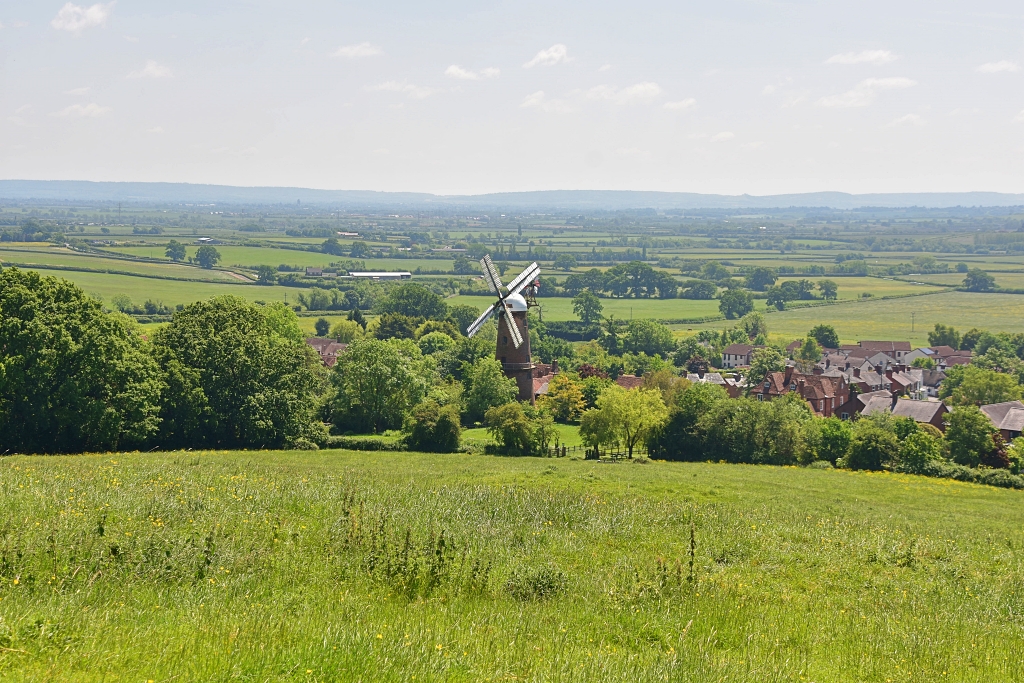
554, 366
888, 373
878, 369
817, 370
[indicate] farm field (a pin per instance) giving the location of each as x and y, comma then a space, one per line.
254, 256
891, 318
63, 257
294, 566
170, 292
560, 307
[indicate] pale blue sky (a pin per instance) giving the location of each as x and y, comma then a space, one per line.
729, 96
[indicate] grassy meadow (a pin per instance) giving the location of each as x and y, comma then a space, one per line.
340, 566
907, 319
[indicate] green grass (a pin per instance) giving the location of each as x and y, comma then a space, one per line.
893, 318
170, 292
254, 256
292, 567
64, 257
568, 435
560, 308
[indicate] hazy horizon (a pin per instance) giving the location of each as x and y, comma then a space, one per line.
466, 98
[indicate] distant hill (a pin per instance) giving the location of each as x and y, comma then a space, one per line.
176, 193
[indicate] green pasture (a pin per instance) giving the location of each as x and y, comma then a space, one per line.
341, 566
43, 256
170, 292
255, 256
568, 435
908, 319
560, 307
854, 287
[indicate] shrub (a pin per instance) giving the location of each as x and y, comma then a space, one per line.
872, 448
434, 428
536, 584
917, 451
510, 427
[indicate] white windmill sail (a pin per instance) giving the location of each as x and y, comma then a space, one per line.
501, 306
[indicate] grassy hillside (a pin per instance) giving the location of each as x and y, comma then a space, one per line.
386, 567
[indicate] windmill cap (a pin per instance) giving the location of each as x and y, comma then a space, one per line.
516, 302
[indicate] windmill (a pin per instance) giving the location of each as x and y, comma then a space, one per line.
513, 346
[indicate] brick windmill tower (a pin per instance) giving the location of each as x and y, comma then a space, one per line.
513, 348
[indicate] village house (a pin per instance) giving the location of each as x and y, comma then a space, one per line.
329, 349
922, 412
825, 395
737, 355
543, 373
1007, 417
943, 356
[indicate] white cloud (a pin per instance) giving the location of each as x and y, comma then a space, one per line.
539, 101
75, 18
131, 39
681, 104
605, 67
640, 92
723, 136
155, 129
768, 90
91, 110
556, 54
908, 119
416, 92
152, 70
357, 51
456, 71
865, 92
77, 91
876, 57
998, 67
1020, 116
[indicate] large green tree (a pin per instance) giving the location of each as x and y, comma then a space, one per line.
944, 335
969, 435
375, 384
978, 280
761, 278
238, 376
825, 335
735, 303
487, 387
72, 378
970, 385
587, 306
175, 250
648, 336
415, 301
207, 256
624, 416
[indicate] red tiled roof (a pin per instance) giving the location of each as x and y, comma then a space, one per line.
629, 381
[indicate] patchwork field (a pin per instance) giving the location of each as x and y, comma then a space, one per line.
255, 256
42, 257
908, 319
397, 567
170, 292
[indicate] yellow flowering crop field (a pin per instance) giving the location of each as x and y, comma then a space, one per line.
342, 566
